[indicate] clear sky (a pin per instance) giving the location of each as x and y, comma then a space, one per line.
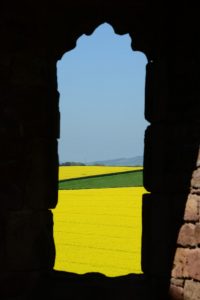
101, 85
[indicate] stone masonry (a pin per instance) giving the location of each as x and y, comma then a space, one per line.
34, 35
185, 281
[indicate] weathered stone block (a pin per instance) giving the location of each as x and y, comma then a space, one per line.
193, 264
191, 290
198, 160
177, 282
176, 292
156, 92
169, 85
29, 241
29, 70
37, 117
187, 235
13, 169
5, 68
197, 233
19, 285
166, 148
192, 208
195, 182
41, 189
180, 263
30, 174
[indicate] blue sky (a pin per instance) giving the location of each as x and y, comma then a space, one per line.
101, 85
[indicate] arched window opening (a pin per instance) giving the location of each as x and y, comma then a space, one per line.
97, 223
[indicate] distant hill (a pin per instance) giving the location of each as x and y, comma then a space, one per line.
72, 163
132, 161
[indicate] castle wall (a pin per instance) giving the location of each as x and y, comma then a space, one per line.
34, 35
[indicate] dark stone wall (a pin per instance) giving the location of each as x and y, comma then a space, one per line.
34, 35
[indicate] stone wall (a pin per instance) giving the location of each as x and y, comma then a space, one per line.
185, 282
34, 35
29, 127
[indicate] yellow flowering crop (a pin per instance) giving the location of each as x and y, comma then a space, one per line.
99, 230
82, 171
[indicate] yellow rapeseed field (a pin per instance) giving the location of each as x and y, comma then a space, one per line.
82, 171
99, 230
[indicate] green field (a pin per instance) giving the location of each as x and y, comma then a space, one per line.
125, 179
